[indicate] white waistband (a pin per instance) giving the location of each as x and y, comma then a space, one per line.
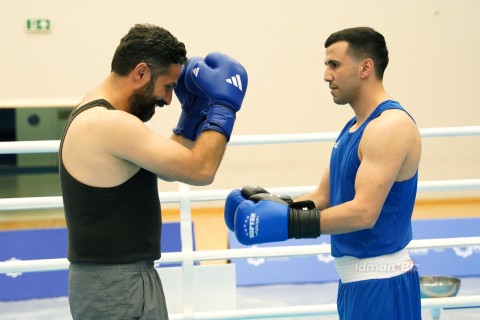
352, 269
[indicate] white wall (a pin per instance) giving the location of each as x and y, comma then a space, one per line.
434, 66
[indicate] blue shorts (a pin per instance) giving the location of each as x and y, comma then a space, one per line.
396, 298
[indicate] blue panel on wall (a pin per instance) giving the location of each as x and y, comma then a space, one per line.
257, 271
31, 245
456, 261
48, 244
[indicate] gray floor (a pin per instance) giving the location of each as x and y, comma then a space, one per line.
247, 298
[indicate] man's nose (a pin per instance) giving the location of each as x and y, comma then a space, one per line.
327, 76
168, 97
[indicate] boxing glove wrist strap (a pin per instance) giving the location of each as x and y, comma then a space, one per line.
304, 220
220, 118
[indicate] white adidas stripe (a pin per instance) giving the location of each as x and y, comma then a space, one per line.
236, 81
239, 80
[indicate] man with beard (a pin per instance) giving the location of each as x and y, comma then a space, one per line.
110, 161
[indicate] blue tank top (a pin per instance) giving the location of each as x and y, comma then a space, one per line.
393, 230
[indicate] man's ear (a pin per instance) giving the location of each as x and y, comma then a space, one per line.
367, 68
142, 72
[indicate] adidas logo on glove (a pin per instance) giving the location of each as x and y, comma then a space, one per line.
195, 71
234, 80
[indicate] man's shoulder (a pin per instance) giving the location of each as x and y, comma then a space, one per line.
391, 124
98, 114
393, 117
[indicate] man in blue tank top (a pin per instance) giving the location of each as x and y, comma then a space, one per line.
110, 162
366, 195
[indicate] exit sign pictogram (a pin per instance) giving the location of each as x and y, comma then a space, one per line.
38, 25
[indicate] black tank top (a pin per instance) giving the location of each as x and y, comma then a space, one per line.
119, 224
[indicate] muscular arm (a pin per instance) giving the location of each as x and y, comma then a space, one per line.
104, 148
389, 152
183, 141
170, 159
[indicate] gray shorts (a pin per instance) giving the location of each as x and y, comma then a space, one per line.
124, 291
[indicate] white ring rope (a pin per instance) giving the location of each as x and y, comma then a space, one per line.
186, 235
322, 309
40, 103
51, 146
55, 202
251, 252
188, 256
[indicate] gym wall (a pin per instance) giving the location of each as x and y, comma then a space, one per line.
434, 49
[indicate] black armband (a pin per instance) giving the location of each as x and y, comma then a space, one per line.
304, 220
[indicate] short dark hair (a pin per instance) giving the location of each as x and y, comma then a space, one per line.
151, 44
363, 43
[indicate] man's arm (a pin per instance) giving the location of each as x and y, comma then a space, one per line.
386, 144
131, 140
183, 141
207, 118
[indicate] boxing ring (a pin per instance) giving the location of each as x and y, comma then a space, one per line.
184, 197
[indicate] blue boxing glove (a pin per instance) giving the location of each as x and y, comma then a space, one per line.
233, 200
267, 218
195, 105
224, 81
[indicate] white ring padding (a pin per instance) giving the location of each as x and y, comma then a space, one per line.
322, 309
331, 136
30, 203
251, 252
263, 313
292, 251
21, 147
186, 235
52, 146
40, 103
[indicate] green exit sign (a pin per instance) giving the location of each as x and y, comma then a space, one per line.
38, 25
